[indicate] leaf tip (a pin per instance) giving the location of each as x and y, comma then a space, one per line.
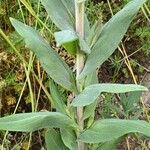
12, 20
145, 89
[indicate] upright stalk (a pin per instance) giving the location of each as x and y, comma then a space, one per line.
79, 11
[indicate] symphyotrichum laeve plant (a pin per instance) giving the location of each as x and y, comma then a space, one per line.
91, 46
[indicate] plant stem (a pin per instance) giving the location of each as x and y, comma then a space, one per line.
79, 11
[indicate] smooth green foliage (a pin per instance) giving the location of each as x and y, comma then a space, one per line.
69, 138
53, 140
28, 122
111, 129
111, 35
57, 98
59, 72
91, 93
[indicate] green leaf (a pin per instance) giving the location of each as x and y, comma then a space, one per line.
53, 64
53, 140
86, 27
89, 110
111, 35
91, 93
84, 46
29, 122
67, 39
65, 36
110, 145
62, 13
57, 98
94, 33
69, 138
71, 47
81, 1
92, 78
111, 129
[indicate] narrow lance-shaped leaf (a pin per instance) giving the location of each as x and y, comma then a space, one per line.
91, 93
91, 79
69, 138
53, 141
111, 35
94, 33
89, 110
111, 129
28, 122
53, 64
84, 46
62, 13
110, 145
57, 98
